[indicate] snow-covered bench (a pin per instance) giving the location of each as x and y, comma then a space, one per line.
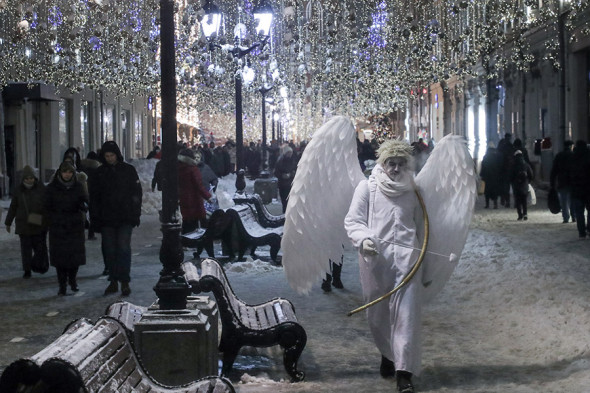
91, 357
265, 218
246, 233
263, 325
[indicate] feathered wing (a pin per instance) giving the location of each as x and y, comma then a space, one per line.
447, 183
327, 175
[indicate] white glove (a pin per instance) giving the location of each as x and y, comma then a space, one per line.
368, 248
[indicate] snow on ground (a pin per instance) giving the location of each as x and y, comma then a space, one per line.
514, 317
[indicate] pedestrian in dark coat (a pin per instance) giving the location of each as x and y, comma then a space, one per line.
28, 198
253, 160
491, 168
285, 169
560, 180
115, 208
522, 174
191, 192
506, 149
580, 184
65, 201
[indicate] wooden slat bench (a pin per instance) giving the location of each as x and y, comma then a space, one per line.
246, 233
218, 228
263, 325
91, 357
265, 218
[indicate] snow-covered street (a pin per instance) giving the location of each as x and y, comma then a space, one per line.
513, 318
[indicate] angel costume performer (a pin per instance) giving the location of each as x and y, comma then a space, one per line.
383, 219
381, 222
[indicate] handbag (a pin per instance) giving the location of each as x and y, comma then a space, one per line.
481, 187
33, 218
40, 262
553, 201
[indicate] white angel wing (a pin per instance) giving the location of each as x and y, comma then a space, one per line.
448, 186
327, 175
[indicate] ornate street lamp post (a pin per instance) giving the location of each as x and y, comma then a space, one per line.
263, 13
264, 173
172, 288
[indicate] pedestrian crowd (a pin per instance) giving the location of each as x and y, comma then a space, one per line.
101, 193
506, 170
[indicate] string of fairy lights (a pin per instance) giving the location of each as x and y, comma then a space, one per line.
361, 58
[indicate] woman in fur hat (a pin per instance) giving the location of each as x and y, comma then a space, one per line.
380, 219
65, 200
28, 198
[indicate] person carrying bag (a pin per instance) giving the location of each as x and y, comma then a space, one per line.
26, 211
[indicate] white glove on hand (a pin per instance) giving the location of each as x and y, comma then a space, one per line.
368, 248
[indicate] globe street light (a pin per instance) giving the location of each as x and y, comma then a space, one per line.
263, 14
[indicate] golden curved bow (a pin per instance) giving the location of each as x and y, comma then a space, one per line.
414, 268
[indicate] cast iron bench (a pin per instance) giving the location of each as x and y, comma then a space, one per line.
91, 357
265, 218
246, 233
263, 325
218, 227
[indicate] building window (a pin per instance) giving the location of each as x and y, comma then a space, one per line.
109, 123
84, 128
138, 133
64, 135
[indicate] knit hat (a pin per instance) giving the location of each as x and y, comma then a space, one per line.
28, 172
393, 148
67, 166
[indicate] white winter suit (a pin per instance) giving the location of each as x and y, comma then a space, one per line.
395, 324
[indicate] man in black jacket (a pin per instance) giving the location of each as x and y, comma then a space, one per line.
560, 180
115, 208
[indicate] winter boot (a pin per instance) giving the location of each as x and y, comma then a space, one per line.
112, 288
27, 274
327, 283
73, 284
336, 272
387, 368
72, 273
125, 290
62, 278
404, 382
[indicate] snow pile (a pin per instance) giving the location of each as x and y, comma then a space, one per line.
251, 266
263, 380
151, 201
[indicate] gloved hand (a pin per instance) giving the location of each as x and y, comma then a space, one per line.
368, 248
8, 228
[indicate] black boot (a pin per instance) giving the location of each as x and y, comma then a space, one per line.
404, 382
387, 368
336, 272
327, 283
62, 278
72, 273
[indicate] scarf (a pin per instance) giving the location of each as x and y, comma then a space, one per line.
393, 188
